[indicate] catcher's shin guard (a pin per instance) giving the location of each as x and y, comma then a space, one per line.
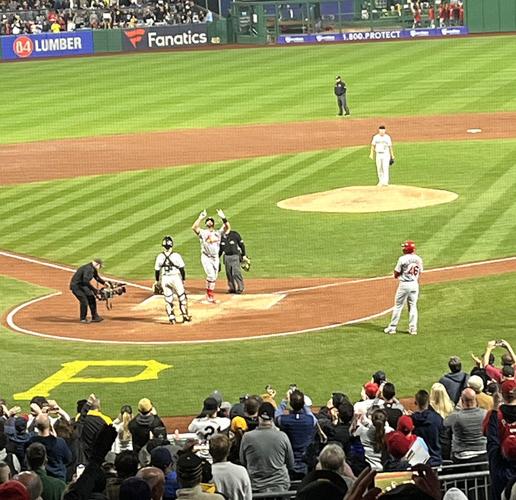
170, 311
183, 304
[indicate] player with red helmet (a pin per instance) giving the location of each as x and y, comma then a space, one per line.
408, 269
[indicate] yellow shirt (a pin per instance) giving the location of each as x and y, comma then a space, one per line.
55, 28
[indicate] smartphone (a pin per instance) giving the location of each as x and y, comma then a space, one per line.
79, 470
387, 481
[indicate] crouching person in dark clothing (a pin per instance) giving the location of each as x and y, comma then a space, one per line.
84, 291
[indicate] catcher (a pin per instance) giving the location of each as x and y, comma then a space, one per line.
233, 248
170, 275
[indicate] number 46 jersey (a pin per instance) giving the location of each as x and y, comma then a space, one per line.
409, 267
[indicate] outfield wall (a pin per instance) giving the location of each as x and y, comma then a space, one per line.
91, 42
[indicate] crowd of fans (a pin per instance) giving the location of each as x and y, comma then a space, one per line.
43, 16
261, 445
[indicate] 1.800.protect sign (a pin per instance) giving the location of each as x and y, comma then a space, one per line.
47, 45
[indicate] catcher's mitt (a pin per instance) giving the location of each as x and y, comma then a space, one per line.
157, 289
391, 161
246, 264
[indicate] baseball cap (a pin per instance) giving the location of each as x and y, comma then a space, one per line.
217, 396
379, 377
13, 490
210, 404
144, 405
509, 389
337, 77
405, 424
371, 389
20, 424
397, 444
266, 411
189, 466
99, 261
476, 383
161, 457
39, 400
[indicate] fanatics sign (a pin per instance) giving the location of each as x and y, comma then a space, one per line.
165, 37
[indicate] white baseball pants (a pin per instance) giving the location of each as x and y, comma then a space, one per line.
382, 168
408, 291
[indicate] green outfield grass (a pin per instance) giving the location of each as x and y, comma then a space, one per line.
71, 221
456, 319
116, 94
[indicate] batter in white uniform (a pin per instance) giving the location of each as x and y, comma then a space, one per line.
381, 150
407, 270
210, 245
170, 273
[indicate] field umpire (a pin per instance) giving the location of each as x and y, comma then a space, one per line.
233, 248
84, 291
340, 91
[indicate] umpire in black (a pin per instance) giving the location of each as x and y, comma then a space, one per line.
340, 91
233, 248
84, 291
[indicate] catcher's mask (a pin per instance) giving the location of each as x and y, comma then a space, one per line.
210, 219
408, 246
167, 242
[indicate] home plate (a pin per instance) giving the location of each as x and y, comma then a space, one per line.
474, 130
201, 311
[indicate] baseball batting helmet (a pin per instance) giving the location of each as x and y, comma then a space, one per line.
408, 246
167, 242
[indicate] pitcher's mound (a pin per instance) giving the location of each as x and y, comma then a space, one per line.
358, 199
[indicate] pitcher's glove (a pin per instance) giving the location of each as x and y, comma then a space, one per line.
391, 161
157, 289
246, 263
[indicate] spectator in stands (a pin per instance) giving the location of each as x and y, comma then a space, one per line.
372, 435
155, 478
17, 436
483, 400
393, 408
68, 433
126, 466
91, 421
144, 423
501, 447
330, 480
57, 451
240, 424
32, 483
507, 373
370, 392
121, 424
207, 423
468, 443
428, 425
440, 401
13, 490
299, 426
134, 488
267, 454
189, 473
162, 459
7, 457
230, 479
455, 381
508, 358
398, 445
36, 460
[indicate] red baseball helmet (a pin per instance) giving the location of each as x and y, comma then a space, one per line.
408, 246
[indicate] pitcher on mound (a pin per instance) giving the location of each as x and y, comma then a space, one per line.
210, 239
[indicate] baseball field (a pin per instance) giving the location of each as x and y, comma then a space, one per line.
101, 157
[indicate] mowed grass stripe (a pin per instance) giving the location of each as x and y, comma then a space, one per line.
113, 205
461, 221
72, 205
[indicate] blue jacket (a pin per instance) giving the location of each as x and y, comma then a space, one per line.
300, 429
428, 425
